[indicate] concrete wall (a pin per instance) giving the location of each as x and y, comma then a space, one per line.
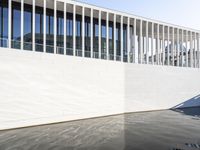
38, 88
160, 87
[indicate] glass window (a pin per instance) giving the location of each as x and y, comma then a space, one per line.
118, 40
50, 31
39, 29
27, 27
103, 39
60, 32
78, 35
111, 45
87, 36
69, 34
16, 25
125, 43
95, 35
3, 23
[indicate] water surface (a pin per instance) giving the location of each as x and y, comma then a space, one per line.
159, 130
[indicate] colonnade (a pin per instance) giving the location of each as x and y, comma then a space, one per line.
142, 41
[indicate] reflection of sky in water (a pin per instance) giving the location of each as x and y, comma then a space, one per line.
159, 130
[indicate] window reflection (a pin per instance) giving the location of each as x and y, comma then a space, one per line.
3, 23
118, 41
78, 35
69, 34
96, 37
27, 27
60, 32
111, 46
50, 31
125, 43
103, 39
39, 29
87, 36
16, 24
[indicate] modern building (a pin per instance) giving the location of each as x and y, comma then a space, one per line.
45, 46
88, 31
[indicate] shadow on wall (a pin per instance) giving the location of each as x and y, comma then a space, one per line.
193, 102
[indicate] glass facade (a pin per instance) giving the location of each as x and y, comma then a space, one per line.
3, 23
49, 31
119, 50
118, 41
78, 35
96, 37
27, 27
103, 39
28, 32
125, 58
60, 32
16, 24
111, 41
69, 34
87, 36
39, 29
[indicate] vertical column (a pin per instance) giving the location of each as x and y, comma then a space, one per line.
172, 47
197, 55
158, 46
128, 39
141, 43
152, 47
168, 61
178, 49
74, 30
143, 46
99, 34
115, 51
65, 33
163, 45
182, 48
9, 22
55, 26
198, 51
195, 47
22, 24
191, 50
122, 43
33, 46
44, 27
147, 42
91, 32
134, 43
186, 36
83, 31
107, 36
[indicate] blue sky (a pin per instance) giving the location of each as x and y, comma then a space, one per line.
181, 12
